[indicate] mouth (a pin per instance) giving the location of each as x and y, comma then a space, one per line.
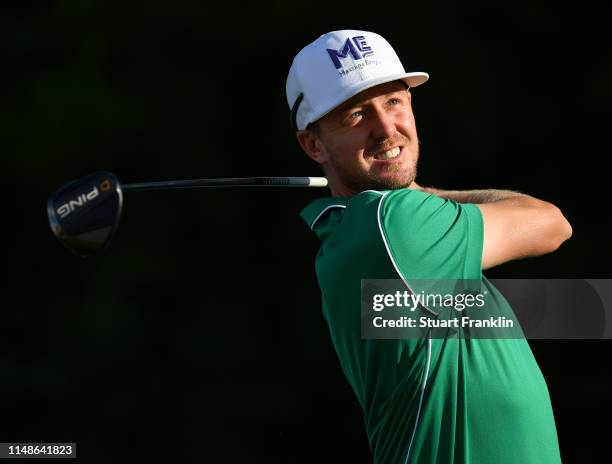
389, 155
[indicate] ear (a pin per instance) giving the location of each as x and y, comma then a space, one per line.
311, 144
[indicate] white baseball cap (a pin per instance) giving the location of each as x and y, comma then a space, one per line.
337, 66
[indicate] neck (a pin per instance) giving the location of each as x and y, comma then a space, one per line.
340, 189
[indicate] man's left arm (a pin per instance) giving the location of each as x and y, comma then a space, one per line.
515, 225
469, 196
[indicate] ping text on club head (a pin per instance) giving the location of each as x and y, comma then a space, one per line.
71, 205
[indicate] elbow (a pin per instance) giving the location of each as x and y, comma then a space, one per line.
567, 229
563, 229
559, 228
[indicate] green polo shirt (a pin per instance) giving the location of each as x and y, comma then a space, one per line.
450, 400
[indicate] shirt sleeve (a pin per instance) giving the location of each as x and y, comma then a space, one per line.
428, 237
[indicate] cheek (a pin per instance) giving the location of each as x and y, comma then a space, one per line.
407, 121
346, 151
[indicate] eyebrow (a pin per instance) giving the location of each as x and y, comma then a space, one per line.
348, 105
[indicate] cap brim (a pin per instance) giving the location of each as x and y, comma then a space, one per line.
413, 79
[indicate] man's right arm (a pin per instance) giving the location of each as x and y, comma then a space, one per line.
516, 225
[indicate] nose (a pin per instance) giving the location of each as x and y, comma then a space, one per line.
383, 125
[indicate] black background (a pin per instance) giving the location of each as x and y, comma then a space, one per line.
198, 336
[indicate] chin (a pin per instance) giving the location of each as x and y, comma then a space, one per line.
388, 183
395, 184
391, 178
394, 181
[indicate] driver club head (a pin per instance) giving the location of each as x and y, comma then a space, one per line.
85, 213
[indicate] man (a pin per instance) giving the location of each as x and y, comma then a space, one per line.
450, 400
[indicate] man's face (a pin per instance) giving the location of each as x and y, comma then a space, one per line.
369, 142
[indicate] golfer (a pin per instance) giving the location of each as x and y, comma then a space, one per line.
429, 400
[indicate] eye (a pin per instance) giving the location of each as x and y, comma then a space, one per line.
356, 114
394, 101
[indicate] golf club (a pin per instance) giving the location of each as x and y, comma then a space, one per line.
84, 214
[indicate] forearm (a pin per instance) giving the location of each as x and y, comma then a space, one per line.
470, 196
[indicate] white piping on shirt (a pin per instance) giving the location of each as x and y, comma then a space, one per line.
321, 214
418, 416
335, 206
431, 311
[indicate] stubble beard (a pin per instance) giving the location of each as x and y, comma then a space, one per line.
403, 176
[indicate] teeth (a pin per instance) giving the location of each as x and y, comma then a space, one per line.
388, 154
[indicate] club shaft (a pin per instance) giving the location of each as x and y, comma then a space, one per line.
228, 182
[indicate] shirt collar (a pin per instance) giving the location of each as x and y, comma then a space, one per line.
315, 210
